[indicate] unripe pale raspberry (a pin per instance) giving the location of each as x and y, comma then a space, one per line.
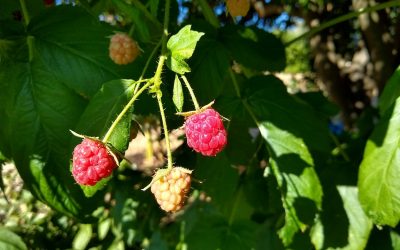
91, 162
238, 7
205, 132
123, 49
170, 190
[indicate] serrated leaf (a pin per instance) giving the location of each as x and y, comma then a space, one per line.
181, 47
78, 57
177, 96
269, 97
101, 112
380, 171
44, 98
390, 93
293, 168
288, 142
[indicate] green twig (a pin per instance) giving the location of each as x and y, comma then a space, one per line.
166, 133
146, 66
235, 83
340, 148
126, 108
158, 81
192, 95
25, 12
344, 18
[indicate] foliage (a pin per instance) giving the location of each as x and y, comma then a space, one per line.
284, 180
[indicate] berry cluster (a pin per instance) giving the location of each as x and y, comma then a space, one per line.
123, 49
170, 190
92, 162
205, 132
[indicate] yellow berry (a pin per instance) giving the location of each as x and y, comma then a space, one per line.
170, 190
123, 49
238, 7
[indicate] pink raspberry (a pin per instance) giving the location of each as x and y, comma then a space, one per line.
91, 162
205, 132
123, 49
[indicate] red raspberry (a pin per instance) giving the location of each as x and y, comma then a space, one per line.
91, 162
205, 132
170, 190
123, 49
238, 7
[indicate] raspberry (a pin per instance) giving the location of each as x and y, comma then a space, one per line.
238, 7
170, 190
123, 49
91, 162
205, 132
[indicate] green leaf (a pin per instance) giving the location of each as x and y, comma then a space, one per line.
213, 170
242, 144
350, 232
104, 228
181, 47
77, 57
10, 241
271, 102
210, 64
214, 232
301, 190
390, 93
38, 112
289, 133
101, 112
125, 215
82, 237
44, 98
380, 171
177, 96
360, 225
254, 48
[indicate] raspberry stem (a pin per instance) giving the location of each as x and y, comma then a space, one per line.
166, 133
126, 108
25, 14
192, 95
147, 65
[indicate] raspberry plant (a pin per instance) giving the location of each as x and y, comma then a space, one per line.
260, 169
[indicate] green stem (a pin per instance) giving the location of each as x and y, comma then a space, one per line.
126, 108
165, 28
344, 18
238, 197
192, 95
144, 10
157, 75
146, 66
25, 12
166, 133
341, 151
27, 19
158, 81
208, 13
235, 83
